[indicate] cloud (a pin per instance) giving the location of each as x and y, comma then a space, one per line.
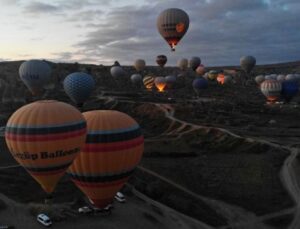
9, 2
63, 57
220, 31
85, 16
39, 7
79, 4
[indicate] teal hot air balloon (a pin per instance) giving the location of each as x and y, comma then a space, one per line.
79, 86
35, 74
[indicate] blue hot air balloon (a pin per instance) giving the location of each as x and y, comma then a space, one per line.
79, 86
289, 89
199, 84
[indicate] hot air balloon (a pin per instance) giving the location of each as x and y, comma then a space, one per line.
182, 64
297, 76
271, 89
205, 76
160, 83
148, 82
114, 147
290, 88
291, 77
79, 86
224, 79
116, 63
35, 74
172, 24
139, 65
213, 74
44, 137
161, 60
170, 81
200, 70
194, 62
270, 77
281, 78
259, 79
199, 84
247, 63
117, 72
136, 79
220, 78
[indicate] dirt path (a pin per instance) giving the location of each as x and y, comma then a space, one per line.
236, 216
172, 211
288, 176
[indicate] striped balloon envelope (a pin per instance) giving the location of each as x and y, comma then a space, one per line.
114, 147
148, 82
45, 137
271, 89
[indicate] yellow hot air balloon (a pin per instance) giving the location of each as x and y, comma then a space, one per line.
139, 65
183, 64
114, 147
45, 137
212, 75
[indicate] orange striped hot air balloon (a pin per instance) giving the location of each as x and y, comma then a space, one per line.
45, 137
114, 147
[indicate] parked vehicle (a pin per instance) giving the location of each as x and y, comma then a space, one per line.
44, 220
85, 210
120, 197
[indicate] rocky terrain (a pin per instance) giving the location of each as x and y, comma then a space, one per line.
225, 159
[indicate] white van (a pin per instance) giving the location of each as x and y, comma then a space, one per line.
44, 219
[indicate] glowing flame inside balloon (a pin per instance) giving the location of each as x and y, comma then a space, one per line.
221, 79
160, 86
272, 99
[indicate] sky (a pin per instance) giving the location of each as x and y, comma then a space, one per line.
102, 31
